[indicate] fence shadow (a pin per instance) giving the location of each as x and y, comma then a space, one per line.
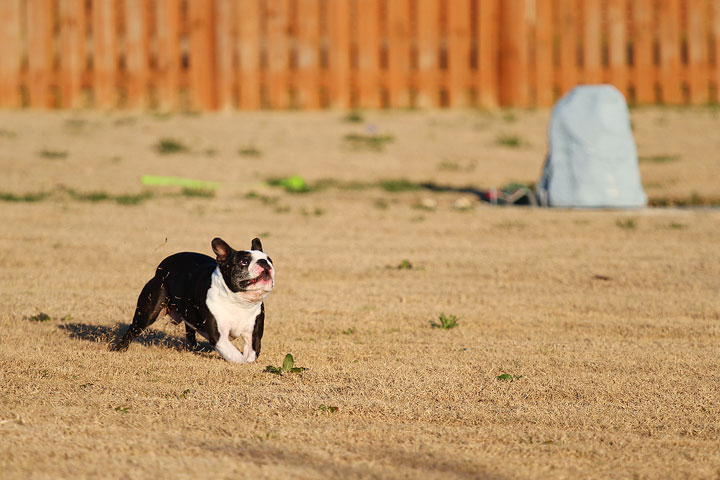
108, 335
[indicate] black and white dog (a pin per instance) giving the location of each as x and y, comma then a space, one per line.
219, 299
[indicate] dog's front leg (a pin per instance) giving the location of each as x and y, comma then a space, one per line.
248, 352
228, 351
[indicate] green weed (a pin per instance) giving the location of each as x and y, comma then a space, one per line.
288, 366
349, 331
53, 154
677, 226
506, 377
122, 409
26, 197
168, 145
446, 322
626, 223
353, 117
249, 151
40, 317
399, 185
197, 192
510, 141
373, 142
659, 158
328, 409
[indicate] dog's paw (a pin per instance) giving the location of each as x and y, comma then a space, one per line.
117, 347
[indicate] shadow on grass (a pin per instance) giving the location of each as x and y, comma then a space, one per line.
108, 335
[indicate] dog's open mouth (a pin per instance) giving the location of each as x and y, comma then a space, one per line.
263, 277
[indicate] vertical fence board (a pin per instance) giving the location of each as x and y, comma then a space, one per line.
488, 53
591, 42
104, 29
459, 52
670, 52
278, 53
202, 54
398, 36
697, 38
617, 45
715, 72
167, 15
248, 20
568, 18
368, 51
307, 83
339, 45
428, 40
225, 50
10, 58
72, 52
136, 52
513, 54
543, 46
39, 47
643, 71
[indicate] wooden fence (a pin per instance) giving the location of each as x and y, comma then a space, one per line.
279, 54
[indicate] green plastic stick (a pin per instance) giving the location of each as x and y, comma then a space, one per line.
157, 180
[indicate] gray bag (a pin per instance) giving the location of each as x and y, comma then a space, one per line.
592, 159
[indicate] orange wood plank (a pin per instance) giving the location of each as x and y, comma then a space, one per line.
459, 52
136, 52
568, 18
104, 26
488, 53
643, 74
428, 46
544, 67
715, 71
202, 55
368, 50
72, 52
591, 42
697, 35
339, 40
10, 58
248, 22
40, 61
514, 90
278, 53
225, 37
167, 14
670, 52
398, 34
307, 81
617, 38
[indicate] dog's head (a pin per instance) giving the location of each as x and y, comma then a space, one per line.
245, 270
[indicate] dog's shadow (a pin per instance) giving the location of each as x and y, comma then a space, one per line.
110, 335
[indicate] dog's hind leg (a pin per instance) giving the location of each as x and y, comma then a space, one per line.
190, 340
151, 301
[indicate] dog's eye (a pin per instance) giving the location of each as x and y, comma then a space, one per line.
244, 263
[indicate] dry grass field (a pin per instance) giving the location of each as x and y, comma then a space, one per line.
587, 345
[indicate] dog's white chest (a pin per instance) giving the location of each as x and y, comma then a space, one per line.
234, 315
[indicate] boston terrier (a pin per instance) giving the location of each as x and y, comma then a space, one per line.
221, 298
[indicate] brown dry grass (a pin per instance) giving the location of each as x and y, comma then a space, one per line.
614, 329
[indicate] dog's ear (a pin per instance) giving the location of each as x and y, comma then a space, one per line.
221, 249
256, 244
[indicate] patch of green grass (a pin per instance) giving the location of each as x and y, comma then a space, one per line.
677, 226
626, 223
122, 409
288, 366
265, 199
659, 158
40, 317
317, 212
101, 196
197, 192
349, 331
353, 117
25, 197
291, 184
509, 117
446, 322
132, 199
184, 394
53, 154
249, 151
168, 146
510, 141
404, 265
506, 377
328, 409
399, 185
373, 142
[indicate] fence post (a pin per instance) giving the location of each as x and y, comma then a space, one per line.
10, 58
591, 43
697, 39
458, 51
72, 52
428, 39
306, 81
225, 49
104, 27
617, 52
398, 37
567, 10
643, 71
513, 54
278, 53
367, 18
670, 52
136, 52
167, 16
202, 54
248, 19
543, 43
489, 53
715, 74
39, 53
339, 53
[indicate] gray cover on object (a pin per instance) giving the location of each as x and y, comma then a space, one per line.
593, 158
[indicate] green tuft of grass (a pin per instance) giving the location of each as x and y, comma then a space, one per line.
626, 223
353, 117
446, 322
510, 141
328, 409
168, 146
40, 317
26, 197
349, 331
405, 265
122, 409
658, 158
53, 154
288, 366
197, 192
249, 151
101, 196
132, 199
506, 377
373, 142
677, 226
400, 185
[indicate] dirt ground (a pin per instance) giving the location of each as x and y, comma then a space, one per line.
606, 322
